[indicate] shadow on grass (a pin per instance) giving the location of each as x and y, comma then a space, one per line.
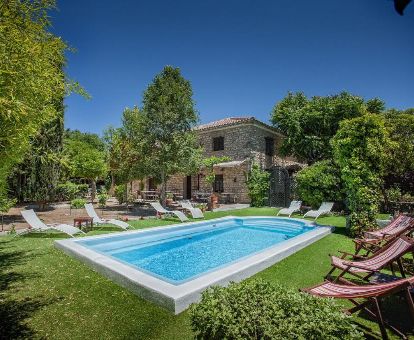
14, 312
45, 235
13, 315
395, 311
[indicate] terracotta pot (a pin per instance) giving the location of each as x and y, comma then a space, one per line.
213, 200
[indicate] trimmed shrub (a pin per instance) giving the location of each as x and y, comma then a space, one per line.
77, 203
258, 310
320, 182
102, 198
83, 189
69, 191
120, 193
258, 186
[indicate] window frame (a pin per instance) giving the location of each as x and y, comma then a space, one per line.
269, 146
218, 143
218, 185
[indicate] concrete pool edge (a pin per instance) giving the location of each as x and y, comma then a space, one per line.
177, 298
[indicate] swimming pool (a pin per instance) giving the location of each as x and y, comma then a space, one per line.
172, 265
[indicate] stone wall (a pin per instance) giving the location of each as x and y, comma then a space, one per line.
241, 142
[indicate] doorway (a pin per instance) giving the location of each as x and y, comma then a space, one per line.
188, 187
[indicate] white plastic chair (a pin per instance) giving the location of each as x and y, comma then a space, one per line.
324, 209
294, 207
161, 210
37, 225
96, 219
195, 212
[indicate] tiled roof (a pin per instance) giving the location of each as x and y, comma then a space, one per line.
225, 122
234, 121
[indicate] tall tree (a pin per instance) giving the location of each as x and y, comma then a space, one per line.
132, 163
400, 160
31, 77
86, 160
162, 131
309, 124
360, 149
32, 80
37, 177
115, 154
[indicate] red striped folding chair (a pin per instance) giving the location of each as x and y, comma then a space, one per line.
370, 295
367, 266
374, 240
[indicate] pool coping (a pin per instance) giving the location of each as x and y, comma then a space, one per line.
177, 298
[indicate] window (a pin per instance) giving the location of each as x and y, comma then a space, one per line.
270, 146
218, 183
218, 143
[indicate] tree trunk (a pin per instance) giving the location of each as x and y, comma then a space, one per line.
93, 191
112, 188
163, 193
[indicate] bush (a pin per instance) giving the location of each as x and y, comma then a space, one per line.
120, 193
258, 310
83, 189
77, 203
258, 186
318, 183
69, 191
360, 149
102, 198
394, 194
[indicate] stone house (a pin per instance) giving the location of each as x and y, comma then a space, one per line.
244, 140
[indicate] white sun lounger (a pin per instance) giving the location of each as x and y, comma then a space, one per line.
96, 219
161, 210
195, 212
294, 207
37, 225
325, 208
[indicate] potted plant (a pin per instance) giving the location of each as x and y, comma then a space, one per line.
169, 198
202, 206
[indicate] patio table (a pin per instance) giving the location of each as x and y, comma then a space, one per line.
228, 197
150, 195
77, 222
202, 196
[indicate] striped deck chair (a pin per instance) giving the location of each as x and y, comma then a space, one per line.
370, 295
367, 266
374, 240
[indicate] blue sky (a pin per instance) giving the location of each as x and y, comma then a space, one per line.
241, 56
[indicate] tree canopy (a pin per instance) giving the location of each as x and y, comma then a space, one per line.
85, 160
309, 124
160, 136
32, 87
31, 77
360, 150
37, 177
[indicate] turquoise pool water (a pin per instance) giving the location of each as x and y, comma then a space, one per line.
177, 256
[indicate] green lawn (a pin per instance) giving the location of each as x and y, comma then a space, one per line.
46, 294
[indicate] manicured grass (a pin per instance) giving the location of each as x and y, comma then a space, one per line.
46, 294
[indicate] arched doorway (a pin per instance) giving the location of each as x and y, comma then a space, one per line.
279, 190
